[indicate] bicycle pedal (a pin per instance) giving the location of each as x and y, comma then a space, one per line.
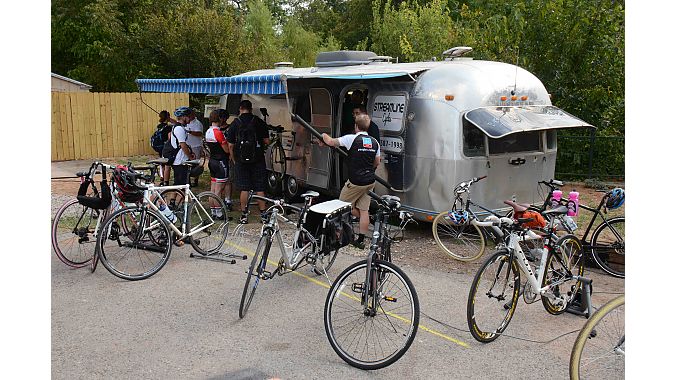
265, 276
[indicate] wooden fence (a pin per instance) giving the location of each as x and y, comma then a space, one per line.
92, 125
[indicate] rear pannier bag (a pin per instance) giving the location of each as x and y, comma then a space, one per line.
329, 223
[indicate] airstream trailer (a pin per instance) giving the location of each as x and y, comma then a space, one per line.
440, 122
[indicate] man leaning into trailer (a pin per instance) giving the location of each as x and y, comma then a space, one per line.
363, 158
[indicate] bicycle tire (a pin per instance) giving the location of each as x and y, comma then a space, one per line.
73, 235
572, 255
209, 240
152, 243
257, 266
338, 298
277, 167
501, 303
462, 242
610, 258
600, 323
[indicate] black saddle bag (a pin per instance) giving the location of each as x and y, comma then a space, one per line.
101, 200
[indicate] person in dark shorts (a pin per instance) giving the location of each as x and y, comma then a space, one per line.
219, 160
178, 141
247, 137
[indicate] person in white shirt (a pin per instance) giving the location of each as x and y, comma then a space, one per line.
179, 138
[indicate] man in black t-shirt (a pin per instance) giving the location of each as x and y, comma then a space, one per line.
363, 157
248, 175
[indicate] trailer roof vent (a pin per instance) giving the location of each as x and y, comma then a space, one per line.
283, 64
456, 52
381, 59
344, 58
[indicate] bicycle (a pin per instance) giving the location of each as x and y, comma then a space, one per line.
462, 239
371, 314
76, 225
136, 241
495, 289
314, 246
599, 350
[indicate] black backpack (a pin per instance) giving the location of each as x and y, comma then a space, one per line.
247, 142
168, 150
157, 141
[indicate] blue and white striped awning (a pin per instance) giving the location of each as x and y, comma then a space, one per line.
241, 84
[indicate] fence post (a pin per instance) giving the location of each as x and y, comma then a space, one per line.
592, 141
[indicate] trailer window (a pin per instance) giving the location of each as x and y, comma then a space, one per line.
515, 142
551, 139
473, 140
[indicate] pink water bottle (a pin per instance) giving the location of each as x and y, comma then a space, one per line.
573, 203
556, 198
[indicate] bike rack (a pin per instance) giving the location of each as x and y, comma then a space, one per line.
220, 256
582, 304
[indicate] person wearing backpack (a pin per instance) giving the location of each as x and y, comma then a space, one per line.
247, 138
159, 139
179, 148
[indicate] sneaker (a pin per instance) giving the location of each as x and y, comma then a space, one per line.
359, 242
244, 219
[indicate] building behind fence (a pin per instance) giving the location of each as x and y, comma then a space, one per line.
92, 125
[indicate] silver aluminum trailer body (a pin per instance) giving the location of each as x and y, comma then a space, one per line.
440, 123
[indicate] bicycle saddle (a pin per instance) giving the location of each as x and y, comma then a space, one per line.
555, 211
311, 194
192, 162
517, 206
159, 161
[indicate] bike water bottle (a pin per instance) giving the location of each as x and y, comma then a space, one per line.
573, 203
167, 213
556, 198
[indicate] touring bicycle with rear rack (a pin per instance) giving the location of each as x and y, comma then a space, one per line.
440, 122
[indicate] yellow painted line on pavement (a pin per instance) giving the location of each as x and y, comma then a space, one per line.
327, 286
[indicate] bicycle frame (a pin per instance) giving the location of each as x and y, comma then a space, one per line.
189, 197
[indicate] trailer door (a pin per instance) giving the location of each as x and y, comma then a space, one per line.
319, 163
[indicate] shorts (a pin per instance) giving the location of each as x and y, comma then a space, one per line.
251, 176
357, 195
181, 174
219, 169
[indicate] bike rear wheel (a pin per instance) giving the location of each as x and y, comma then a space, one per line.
73, 233
464, 242
256, 270
599, 350
571, 260
607, 244
134, 243
380, 337
209, 216
493, 297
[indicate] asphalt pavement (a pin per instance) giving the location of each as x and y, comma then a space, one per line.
183, 323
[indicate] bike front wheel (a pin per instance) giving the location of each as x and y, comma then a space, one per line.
493, 297
607, 246
464, 242
207, 223
134, 243
371, 332
256, 271
73, 233
599, 350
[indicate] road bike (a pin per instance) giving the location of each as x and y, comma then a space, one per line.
495, 289
313, 243
371, 314
76, 223
135, 242
599, 350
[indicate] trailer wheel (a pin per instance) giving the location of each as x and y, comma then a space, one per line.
292, 188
